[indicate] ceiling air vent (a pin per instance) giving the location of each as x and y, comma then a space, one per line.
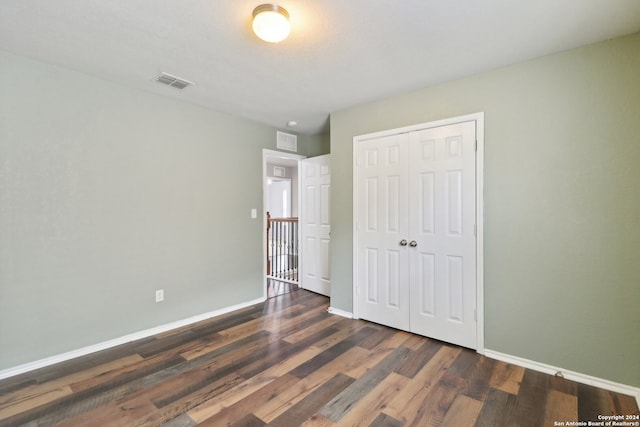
173, 81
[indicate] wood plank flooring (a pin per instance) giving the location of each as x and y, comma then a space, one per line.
289, 363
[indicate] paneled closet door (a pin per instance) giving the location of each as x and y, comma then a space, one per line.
415, 232
442, 232
382, 227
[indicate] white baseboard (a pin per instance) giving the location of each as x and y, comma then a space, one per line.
339, 312
10, 372
569, 375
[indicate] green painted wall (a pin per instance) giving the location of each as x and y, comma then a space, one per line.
313, 145
562, 202
107, 194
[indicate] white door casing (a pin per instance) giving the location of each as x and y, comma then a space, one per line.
315, 227
415, 221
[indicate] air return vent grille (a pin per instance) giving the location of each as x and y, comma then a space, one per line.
286, 141
173, 81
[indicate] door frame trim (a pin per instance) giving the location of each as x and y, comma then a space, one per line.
479, 119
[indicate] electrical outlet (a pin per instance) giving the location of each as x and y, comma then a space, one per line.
160, 295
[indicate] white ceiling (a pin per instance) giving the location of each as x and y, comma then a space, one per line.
340, 53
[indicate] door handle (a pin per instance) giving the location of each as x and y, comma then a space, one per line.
403, 242
413, 244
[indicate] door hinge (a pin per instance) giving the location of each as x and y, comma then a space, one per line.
475, 230
476, 145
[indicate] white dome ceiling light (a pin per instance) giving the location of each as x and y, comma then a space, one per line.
271, 23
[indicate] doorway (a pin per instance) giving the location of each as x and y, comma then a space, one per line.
281, 204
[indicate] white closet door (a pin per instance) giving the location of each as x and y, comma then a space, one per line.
442, 228
315, 228
415, 232
382, 224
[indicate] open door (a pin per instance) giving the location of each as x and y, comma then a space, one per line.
315, 228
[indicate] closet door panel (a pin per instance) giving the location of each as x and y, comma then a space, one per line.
382, 225
441, 222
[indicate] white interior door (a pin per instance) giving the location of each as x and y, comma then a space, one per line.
442, 243
315, 228
415, 231
383, 230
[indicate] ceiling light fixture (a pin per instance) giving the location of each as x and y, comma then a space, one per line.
271, 23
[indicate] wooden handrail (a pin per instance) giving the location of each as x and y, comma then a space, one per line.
290, 219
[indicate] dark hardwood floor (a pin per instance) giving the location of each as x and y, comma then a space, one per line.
287, 362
